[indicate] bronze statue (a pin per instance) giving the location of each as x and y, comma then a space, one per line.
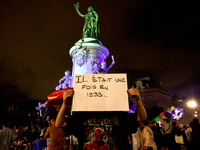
91, 26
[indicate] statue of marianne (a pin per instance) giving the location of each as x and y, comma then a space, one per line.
91, 26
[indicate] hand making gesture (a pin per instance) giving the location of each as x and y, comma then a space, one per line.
134, 93
67, 98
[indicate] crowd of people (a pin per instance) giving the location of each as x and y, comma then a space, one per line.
101, 130
167, 135
149, 135
17, 137
34, 136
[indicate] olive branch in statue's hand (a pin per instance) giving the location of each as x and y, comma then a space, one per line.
77, 5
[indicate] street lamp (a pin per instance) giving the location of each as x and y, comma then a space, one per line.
192, 104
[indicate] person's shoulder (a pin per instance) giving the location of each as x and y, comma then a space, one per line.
49, 127
147, 128
188, 129
9, 129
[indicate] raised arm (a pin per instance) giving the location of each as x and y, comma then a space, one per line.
77, 9
67, 104
134, 95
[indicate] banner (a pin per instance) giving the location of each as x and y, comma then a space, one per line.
100, 92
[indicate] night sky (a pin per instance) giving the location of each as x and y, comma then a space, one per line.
154, 38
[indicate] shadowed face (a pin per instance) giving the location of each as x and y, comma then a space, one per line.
52, 121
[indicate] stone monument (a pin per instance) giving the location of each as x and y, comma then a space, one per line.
88, 54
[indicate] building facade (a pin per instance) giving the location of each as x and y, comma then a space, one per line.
153, 96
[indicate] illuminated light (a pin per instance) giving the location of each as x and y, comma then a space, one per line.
195, 115
195, 112
192, 104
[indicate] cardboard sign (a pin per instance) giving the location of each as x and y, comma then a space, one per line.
100, 92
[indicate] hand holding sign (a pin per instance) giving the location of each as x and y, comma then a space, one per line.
67, 98
133, 93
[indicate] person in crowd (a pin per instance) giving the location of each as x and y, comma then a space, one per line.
55, 134
7, 136
121, 124
157, 133
179, 137
167, 141
188, 133
16, 130
38, 128
19, 144
27, 135
34, 134
72, 143
147, 137
195, 136
43, 130
184, 127
136, 139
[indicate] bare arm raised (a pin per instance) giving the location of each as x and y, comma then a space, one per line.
134, 95
67, 104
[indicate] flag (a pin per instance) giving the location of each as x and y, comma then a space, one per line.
161, 115
175, 113
158, 117
171, 110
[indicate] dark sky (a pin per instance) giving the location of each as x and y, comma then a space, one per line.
154, 38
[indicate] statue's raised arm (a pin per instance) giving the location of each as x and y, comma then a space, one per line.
77, 9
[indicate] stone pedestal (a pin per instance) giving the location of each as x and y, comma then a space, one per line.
88, 57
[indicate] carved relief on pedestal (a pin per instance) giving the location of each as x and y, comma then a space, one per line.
95, 66
81, 56
99, 66
89, 57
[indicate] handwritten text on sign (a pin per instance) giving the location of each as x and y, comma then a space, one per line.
100, 92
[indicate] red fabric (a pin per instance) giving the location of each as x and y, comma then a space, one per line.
162, 113
56, 97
